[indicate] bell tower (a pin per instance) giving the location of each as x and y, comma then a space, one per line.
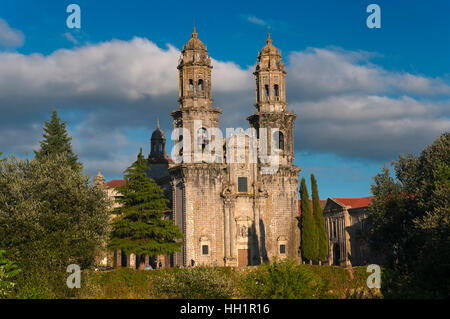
270, 83
270, 104
194, 67
195, 113
158, 144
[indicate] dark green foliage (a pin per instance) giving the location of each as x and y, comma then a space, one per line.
195, 283
57, 141
50, 217
282, 280
8, 270
142, 226
226, 282
322, 237
309, 243
411, 223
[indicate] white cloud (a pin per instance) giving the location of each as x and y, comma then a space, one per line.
255, 20
376, 127
69, 37
318, 73
345, 104
9, 37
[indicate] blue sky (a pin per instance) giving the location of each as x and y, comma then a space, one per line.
361, 95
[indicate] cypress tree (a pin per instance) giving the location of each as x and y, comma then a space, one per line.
57, 141
308, 226
141, 227
322, 238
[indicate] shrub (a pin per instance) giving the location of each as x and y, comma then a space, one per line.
195, 283
8, 270
51, 216
282, 280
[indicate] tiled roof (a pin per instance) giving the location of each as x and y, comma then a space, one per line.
159, 160
354, 202
321, 203
115, 183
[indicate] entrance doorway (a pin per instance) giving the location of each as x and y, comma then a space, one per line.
243, 257
336, 254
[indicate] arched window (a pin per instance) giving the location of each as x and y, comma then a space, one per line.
200, 85
180, 141
278, 138
275, 90
191, 85
267, 90
202, 137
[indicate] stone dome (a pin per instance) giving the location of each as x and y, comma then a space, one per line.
269, 48
99, 179
194, 43
158, 134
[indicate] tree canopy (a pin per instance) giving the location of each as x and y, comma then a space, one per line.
410, 222
51, 216
309, 243
57, 141
322, 237
142, 226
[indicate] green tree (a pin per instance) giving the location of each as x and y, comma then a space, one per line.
57, 141
410, 223
8, 270
282, 280
143, 227
322, 237
51, 216
309, 243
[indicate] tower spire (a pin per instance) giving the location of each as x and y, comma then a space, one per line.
157, 123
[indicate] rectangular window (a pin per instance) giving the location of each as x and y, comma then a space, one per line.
205, 249
242, 184
334, 229
282, 249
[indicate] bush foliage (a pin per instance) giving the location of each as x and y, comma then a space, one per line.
8, 270
196, 283
285, 279
50, 217
282, 280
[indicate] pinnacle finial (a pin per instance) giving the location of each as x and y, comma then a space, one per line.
157, 123
269, 40
194, 33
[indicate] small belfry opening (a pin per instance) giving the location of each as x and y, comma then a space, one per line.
278, 138
275, 90
202, 138
200, 85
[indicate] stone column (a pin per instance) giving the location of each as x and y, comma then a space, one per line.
226, 233
117, 259
131, 261
348, 249
232, 234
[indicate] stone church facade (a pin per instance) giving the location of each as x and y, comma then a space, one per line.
230, 211
234, 207
347, 228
